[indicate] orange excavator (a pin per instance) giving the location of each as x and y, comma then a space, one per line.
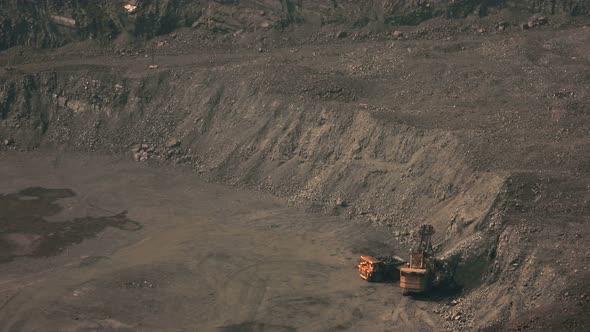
417, 276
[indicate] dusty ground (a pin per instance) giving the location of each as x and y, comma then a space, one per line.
206, 258
481, 132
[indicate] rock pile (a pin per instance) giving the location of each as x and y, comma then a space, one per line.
501, 26
535, 22
171, 151
142, 152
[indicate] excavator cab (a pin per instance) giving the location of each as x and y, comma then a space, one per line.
371, 269
415, 277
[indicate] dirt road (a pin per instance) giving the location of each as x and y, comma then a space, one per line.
204, 257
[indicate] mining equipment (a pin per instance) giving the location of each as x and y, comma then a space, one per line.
380, 269
417, 276
153, 64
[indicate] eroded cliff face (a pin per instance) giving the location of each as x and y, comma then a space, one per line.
330, 157
483, 137
326, 152
45, 24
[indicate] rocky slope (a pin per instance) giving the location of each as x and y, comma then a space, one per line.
55, 23
483, 134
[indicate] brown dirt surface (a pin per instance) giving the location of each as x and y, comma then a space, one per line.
207, 258
256, 163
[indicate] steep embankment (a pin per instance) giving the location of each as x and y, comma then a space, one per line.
330, 154
323, 151
483, 138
